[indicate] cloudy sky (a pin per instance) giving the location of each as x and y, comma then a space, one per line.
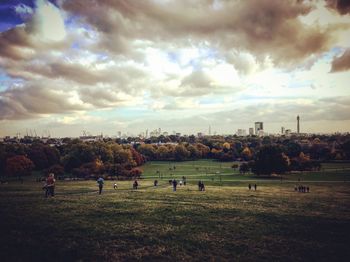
180, 65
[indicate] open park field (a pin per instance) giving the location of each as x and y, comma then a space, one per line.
227, 222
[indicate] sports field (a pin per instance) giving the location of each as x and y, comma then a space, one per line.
227, 222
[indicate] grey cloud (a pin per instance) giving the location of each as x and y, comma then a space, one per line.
341, 63
197, 80
33, 101
263, 27
123, 77
12, 43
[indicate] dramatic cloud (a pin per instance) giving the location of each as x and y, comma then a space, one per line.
130, 61
341, 63
264, 27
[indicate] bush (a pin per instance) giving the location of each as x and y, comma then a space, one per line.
135, 172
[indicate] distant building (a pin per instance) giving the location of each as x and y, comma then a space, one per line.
251, 131
91, 138
282, 130
241, 132
288, 132
261, 132
258, 126
298, 124
199, 134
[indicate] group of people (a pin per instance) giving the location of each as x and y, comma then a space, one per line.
251, 186
181, 182
301, 189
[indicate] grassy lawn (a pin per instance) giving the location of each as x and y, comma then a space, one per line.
224, 223
221, 173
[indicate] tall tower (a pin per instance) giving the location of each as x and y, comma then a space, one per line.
258, 126
298, 124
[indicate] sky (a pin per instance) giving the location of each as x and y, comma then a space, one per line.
103, 66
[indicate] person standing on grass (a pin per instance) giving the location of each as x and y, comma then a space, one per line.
100, 182
250, 186
135, 185
255, 187
115, 186
155, 183
174, 184
50, 185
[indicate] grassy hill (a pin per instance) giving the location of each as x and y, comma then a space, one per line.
226, 222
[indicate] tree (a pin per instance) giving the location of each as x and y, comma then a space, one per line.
181, 153
162, 153
346, 149
148, 150
58, 170
19, 166
194, 152
293, 149
246, 154
244, 168
270, 159
203, 149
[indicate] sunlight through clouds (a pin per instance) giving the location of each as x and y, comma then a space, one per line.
244, 61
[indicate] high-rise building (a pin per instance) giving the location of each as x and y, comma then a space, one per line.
251, 131
298, 124
258, 126
282, 130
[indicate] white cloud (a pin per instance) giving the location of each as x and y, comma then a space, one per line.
48, 23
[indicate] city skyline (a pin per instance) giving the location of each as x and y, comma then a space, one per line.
73, 66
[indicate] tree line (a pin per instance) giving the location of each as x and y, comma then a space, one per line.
123, 159
82, 160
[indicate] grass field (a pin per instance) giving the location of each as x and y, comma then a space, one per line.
221, 173
224, 223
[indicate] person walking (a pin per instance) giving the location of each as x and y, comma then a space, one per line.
135, 185
100, 183
202, 186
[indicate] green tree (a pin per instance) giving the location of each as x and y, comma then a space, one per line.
270, 159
